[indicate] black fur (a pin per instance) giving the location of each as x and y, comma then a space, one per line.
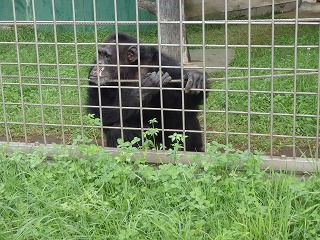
150, 77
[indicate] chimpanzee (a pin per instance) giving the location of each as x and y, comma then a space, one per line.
100, 79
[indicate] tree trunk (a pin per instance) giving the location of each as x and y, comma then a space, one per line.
170, 32
148, 6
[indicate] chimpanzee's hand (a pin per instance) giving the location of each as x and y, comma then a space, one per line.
195, 80
153, 79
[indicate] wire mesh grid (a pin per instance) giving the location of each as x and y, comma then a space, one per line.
266, 98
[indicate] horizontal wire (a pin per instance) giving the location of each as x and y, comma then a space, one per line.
279, 21
165, 44
173, 80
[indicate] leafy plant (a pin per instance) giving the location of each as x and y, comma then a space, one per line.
177, 144
150, 135
91, 120
221, 194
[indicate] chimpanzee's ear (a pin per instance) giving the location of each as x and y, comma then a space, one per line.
132, 53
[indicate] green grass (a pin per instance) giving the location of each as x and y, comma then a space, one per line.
283, 103
237, 101
97, 196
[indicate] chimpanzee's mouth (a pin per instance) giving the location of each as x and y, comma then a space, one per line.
100, 71
94, 73
101, 79
95, 79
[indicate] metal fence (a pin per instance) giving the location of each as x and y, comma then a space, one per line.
263, 92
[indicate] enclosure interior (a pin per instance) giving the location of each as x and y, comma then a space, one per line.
263, 73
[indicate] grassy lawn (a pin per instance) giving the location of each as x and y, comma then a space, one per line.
72, 93
284, 101
102, 197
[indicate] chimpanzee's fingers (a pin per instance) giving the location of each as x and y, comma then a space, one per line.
188, 85
150, 79
166, 78
193, 91
199, 83
195, 81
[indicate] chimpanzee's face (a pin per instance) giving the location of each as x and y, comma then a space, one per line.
106, 68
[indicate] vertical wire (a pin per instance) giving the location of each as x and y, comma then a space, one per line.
204, 74
139, 71
77, 65
226, 68
318, 107
19, 71
183, 110
160, 69
4, 107
272, 78
295, 81
58, 69
97, 62
39, 72
118, 65
249, 75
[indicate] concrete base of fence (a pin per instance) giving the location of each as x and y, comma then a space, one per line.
298, 165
